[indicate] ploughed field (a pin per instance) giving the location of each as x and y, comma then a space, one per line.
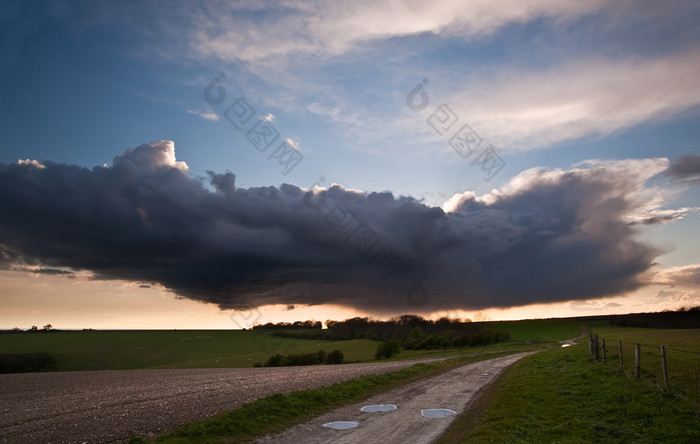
110, 406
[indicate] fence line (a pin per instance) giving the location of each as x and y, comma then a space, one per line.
674, 370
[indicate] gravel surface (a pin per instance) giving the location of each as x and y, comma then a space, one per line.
109, 406
453, 390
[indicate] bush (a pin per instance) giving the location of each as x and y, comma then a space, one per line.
275, 360
335, 357
320, 357
484, 337
388, 349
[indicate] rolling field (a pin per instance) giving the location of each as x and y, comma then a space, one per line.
140, 349
682, 356
686, 339
539, 329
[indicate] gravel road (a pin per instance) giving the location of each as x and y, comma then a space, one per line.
109, 406
452, 390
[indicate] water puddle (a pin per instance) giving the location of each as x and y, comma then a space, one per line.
437, 413
341, 425
565, 345
378, 408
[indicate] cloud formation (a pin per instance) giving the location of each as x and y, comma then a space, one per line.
685, 170
529, 109
547, 236
326, 28
683, 275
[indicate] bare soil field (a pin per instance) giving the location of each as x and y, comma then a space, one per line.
109, 406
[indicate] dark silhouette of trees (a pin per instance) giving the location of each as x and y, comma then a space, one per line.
412, 331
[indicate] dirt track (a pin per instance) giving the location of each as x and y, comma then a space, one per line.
109, 406
452, 390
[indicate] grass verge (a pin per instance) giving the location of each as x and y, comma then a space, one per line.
561, 396
277, 412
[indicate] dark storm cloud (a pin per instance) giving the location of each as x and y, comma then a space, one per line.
686, 169
550, 236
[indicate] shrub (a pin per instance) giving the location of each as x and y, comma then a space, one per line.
335, 357
388, 349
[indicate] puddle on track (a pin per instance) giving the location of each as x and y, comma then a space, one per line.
437, 413
378, 408
341, 425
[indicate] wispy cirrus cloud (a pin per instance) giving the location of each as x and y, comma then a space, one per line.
521, 109
256, 31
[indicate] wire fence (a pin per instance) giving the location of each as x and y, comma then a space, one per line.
677, 371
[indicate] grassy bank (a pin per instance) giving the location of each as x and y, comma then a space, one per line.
277, 412
561, 396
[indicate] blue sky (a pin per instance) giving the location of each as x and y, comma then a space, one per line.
550, 84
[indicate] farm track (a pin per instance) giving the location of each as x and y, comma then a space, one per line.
109, 406
453, 390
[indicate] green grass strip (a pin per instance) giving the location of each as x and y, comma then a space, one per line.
277, 412
562, 396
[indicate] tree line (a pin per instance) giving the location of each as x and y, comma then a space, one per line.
410, 331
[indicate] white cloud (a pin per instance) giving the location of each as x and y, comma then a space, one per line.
293, 143
332, 28
676, 295
206, 115
32, 162
521, 110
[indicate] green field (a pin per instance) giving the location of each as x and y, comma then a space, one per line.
138, 349
539, 329
686, 339
562, 396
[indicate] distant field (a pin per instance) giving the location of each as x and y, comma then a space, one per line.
138, 349
686, 339
539, 329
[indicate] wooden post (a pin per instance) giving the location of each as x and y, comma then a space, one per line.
603, 349
619, 346
590, 344
664, 367
596, 348
637, 359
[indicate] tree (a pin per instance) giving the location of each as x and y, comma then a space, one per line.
388, 349
415, 338
34, 328
48, 327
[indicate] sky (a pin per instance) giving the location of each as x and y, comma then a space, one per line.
213, 165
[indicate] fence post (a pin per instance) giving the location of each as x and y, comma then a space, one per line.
590, 344
664, 367
619, 345
603, 349
637, 358
596, 349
